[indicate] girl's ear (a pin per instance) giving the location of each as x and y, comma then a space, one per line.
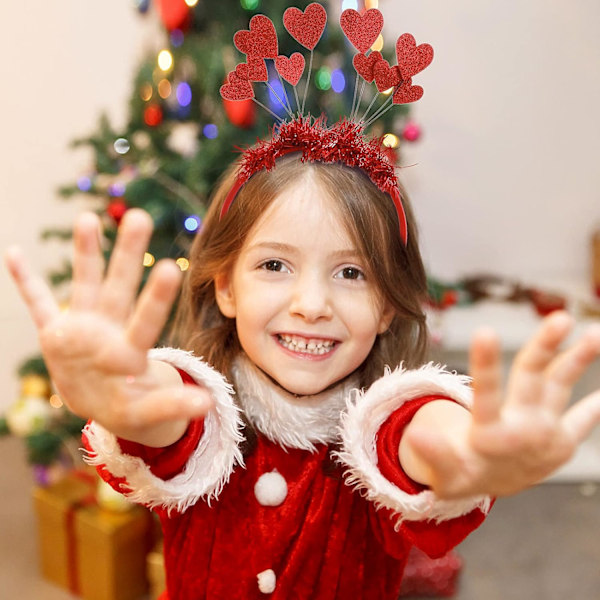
387, 316
224, 295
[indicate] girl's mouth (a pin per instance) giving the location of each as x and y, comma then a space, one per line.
313, 346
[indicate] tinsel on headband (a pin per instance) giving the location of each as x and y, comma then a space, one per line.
345, 141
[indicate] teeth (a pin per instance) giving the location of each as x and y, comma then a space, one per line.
309, 347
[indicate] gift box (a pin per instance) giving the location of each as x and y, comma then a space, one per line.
432, 577
155, 569
90, 551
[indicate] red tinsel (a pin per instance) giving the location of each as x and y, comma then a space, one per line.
344, 143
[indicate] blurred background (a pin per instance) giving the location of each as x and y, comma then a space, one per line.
499, 157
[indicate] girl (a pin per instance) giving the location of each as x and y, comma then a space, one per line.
325, 467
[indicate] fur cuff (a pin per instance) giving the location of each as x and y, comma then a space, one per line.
209, 467
360, 425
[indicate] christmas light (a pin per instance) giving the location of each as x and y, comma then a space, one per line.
350, 4
371, 4
183, 263
250, 4
378, 45
117, 189
146, 92
184, 94
210, 131
191, 3
388, 91
338, 81
278, 88
164, 88
165, 60
323, 78
177, 38
192, 223
390, 140
121, 146
84, 184
149, 259
55, 401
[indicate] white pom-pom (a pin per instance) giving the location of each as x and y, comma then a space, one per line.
271, 489
267, 581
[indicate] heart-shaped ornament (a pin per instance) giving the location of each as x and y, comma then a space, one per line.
236, 88
362, 30
260, 41
306, 27
407, 93
255, 70
292, 68
364, 65
412, 59
386, 77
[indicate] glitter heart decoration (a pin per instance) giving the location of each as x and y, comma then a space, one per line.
236, 88
407, 93
362, 30
365, 65
306, 27
260, 41
254, 70
292, 68
412, 59
386, 77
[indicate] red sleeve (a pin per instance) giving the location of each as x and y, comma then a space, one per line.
164, 463
435, 539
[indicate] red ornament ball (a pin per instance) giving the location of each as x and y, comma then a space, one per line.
116, 209
175, 14
412, 132
153, 115
242, 113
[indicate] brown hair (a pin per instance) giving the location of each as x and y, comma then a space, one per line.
371, 221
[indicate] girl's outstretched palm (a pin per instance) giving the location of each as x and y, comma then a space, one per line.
96, 351
514, 438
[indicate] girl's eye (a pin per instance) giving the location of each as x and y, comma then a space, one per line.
350, 273
274, 265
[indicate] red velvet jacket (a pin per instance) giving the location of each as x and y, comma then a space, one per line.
302, 531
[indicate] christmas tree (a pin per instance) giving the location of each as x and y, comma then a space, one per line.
179, 137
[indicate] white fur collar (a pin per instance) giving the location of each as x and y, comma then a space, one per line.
292, 421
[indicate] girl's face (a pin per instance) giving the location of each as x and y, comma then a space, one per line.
305, 312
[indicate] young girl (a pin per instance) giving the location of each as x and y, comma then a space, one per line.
290, 462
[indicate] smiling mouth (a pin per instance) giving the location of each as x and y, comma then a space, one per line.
316, 347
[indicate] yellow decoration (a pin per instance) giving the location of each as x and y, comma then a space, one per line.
390, 140
165, 60
35, 385
149, 259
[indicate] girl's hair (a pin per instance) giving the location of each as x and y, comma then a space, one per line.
370, 219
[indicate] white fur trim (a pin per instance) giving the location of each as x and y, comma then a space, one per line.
286, 419
367, 413
267, 581
209, 467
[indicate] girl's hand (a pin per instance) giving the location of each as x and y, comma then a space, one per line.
507, 444
96, 350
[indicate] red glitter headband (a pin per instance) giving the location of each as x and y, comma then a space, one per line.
344, 142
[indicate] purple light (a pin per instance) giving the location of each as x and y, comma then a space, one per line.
211, 131
338, 81
84, 184
278, 88
184, 94
177, 37
192, 223
116, 190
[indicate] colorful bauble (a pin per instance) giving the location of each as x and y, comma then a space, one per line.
175, 14
153, 115
411, 132
241, 113
116, 209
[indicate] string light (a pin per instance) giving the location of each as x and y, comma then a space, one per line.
388, 91
165, 60
183, 263
323, 78
371, 4
210, 131
149, 259
84, 184
55, 401
121, 146
164, 88
378, 45
390, 140
146, 92
184, 94
191, 3
177, 37
338, 81
192, 223
250, 4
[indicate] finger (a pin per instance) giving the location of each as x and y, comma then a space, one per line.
564, 372
583, 416
170, 404
154, 305
88, 263
526, 382
486, 371
32, 288
126, 265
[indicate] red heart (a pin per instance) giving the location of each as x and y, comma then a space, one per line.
260, 41
255, 70
236, 88
412, 59
407, 93
291, 68
386, 77
306, 27
362, 30
364, 65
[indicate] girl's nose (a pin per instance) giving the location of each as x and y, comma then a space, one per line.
311, 299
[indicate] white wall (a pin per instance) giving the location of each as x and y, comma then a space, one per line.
507, 177
61, 64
